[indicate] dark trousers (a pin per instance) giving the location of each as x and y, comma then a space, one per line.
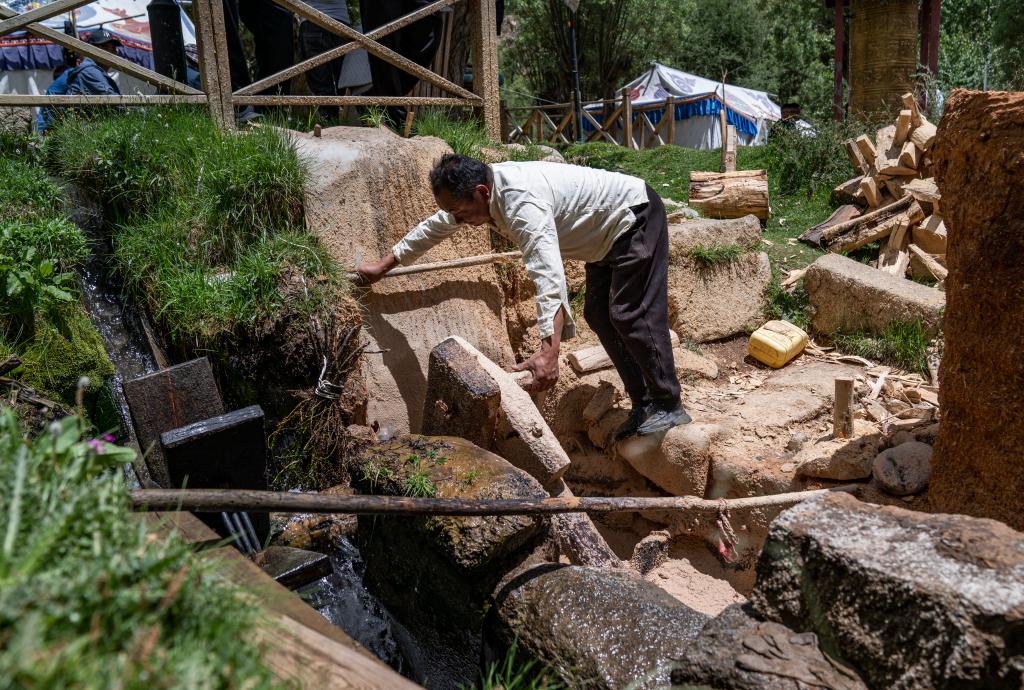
271, 28
627, 306
323, 79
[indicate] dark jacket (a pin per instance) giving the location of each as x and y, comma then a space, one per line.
89, 79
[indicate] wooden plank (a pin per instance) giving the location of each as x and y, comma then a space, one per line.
910, 156
41, 13
842, 410
884, 147
599, 130
589, 359
869, 187
874, 217
902, 127
895, 257
923, 190
842, 214
910, 103
849, 192
929, 262
930, 235
867, 148
923, 135
101, 56
868, 232
483, 23
860, 165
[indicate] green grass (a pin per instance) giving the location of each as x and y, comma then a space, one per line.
709, 256
788, 306
510, 673
41, 318
418, 483
464, 136
208, 225
89, 599
903, 345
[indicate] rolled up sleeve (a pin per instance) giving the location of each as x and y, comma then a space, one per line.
532, 225
424, 236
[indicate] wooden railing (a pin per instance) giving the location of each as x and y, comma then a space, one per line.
615, 121
216, 92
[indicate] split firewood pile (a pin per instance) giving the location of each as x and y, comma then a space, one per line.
893, 199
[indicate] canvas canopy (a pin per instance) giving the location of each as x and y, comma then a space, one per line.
698, 104
27, 61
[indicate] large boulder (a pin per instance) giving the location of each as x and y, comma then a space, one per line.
737, 651
910, 600
367, 187
979, 461
595, 627
677, 461
712, 302
435, 574
850, 296
685, 236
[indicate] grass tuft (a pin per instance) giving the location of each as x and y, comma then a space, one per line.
510, 673
788, 306
89, 598
903, 345
709, 256
466, 137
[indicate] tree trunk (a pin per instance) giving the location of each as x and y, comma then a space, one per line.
731, 194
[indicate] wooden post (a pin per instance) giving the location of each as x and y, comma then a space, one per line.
670, 113
842, 412
837, 78
410, 115
213, 60
485, 64
729, 149
627, 119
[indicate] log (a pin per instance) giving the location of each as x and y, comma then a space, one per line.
910, 156
12, 362
924, 190
869, 232
910, 103
860, 165
730, 194
849, 192
929, 262
923, 135
876, 216
869, 187
903, 126
842, 410
729, 148
895, 257
930, 235
234, 500
867, 148
886, 152
577, 536
894, 167
840, 215
589, 359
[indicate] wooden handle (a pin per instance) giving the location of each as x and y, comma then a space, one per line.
453, 263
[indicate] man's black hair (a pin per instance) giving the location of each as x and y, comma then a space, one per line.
458, 175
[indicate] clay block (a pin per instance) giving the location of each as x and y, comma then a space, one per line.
850, 296
711, 302
227, 451
293, 568
708, 232
169, 399
462, 399
519, 433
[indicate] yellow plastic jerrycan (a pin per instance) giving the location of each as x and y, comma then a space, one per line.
776, 342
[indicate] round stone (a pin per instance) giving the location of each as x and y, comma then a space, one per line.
904, 469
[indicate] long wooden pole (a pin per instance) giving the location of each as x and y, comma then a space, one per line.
221, 500
478, 260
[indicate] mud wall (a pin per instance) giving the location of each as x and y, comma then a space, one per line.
368, 187
979, 165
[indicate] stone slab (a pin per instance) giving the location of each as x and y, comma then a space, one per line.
293, 568
710, 303
597, 627
168, 399
708, 232
462, 399
226, 451
850, 296
909, 600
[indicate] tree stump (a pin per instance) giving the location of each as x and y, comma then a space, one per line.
730, 194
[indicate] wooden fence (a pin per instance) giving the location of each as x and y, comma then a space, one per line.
216, 92
615, 121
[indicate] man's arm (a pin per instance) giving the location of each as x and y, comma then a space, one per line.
543, 364
415, 243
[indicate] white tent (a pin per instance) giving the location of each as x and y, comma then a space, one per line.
697, 107
27, 61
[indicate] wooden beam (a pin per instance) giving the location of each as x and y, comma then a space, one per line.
627, 119
101, 56
670, 113
867, 232
41, 13
842, 410
485, 64
902, 127
42, 99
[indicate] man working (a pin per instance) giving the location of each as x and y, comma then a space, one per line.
615, 223
90, 79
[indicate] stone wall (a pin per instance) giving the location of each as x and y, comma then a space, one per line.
979, 165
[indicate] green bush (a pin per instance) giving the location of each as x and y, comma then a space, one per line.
801, 162
90, 599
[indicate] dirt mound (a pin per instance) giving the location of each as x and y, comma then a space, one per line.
367, 188
978, 164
